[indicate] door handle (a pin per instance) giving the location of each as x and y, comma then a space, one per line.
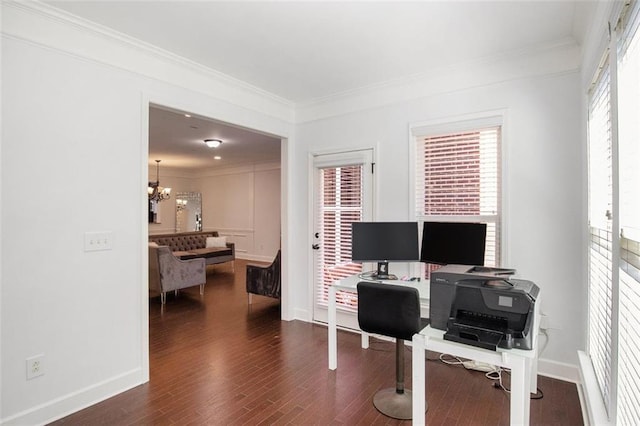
315, 246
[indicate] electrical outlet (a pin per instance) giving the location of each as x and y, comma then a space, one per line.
96, 241
544, 322
35, 366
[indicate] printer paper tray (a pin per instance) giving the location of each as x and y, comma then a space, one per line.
474, 337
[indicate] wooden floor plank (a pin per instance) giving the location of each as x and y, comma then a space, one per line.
214, 361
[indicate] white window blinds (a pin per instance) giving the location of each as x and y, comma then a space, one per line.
340, 204
458, 179
614, 222
599, 345
628, 400
629, 124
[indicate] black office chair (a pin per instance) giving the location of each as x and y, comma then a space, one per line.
394, 311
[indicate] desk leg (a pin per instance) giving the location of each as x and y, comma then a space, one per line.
332, 330
364, 340
533, 367
418, 379
520, 384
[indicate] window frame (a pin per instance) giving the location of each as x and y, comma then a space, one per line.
455, 124
623, 16
596, 222
365, 156
627, 41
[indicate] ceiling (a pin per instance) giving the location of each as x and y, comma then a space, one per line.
305, 51
178, 141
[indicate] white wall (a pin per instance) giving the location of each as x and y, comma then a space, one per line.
243, 203
74, 160
542, 176
58, 300
74, 113
266, 221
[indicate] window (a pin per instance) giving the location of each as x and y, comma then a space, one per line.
458, 179
599, 345
342, 194
341, 189
628, 376
614, 223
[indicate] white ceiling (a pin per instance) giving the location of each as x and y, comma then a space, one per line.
303, 51
179, 142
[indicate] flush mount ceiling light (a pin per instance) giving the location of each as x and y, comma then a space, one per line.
213, 143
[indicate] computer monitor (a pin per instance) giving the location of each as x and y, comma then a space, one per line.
453, 243
384, 242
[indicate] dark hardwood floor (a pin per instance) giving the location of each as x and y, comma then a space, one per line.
214, 361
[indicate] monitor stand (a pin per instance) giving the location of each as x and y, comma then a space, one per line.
383, 272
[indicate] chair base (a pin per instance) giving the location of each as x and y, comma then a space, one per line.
393, 404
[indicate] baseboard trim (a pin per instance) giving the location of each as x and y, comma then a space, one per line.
302, 315
76, 401
559, 370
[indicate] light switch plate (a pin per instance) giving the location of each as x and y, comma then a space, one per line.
96, 241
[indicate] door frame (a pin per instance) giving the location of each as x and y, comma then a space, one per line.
148, 99
356, 151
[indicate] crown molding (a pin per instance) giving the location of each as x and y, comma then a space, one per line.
47, 26
237, 169
172, 172
555, 58
195, 173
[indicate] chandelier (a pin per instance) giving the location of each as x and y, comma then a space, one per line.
156, 192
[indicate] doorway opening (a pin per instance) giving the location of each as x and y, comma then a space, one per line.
238, 183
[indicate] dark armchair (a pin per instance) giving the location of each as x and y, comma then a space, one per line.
264, 280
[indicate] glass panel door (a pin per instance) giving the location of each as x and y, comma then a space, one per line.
342, 195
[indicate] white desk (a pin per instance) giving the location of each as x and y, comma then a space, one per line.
523, 364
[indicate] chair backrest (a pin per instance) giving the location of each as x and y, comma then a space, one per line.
276, 261
388, 309
154, 268
273, 277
